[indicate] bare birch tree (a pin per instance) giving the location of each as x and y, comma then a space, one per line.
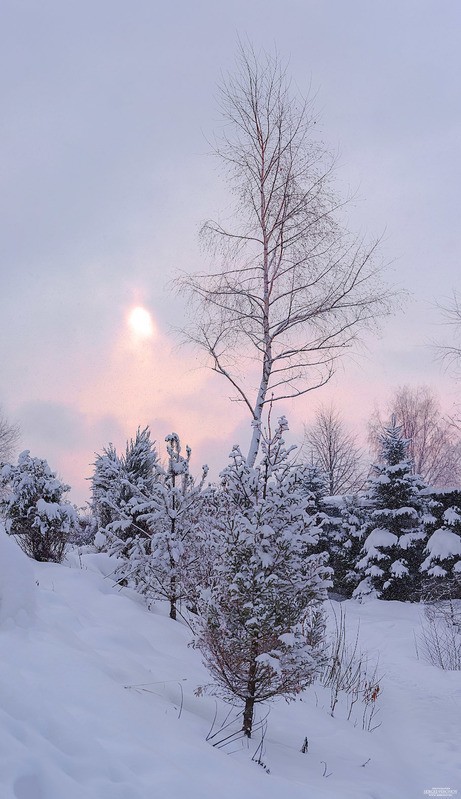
434, 447
450, 353
9, 437
335, 451
293, 288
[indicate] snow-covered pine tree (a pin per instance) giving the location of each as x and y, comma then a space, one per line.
142, 473
442, 566
345, 543
121, 487
268, 584
324, 514
173, 526
393, 534
35, 509
106, 487
339, 520
156, 549
141, 463
314, 484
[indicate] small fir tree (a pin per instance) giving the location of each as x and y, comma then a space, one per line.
141, 477
120, 486
34, 507
339, 521
314, 483
345, 541
260, 615
141, 463
394, 534
153, 538
106, 487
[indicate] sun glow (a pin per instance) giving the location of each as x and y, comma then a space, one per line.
141, 323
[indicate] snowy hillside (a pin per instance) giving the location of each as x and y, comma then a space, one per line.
99, 701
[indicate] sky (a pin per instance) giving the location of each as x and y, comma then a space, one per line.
106, 171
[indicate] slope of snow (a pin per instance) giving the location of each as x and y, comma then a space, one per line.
98, 702
17, 583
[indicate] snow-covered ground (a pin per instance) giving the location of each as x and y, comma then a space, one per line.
98, 701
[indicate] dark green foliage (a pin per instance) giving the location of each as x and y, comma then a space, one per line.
441, 567
394, 535
122, 485
261, 630
345, 544
106, 487
157, 536
339, 521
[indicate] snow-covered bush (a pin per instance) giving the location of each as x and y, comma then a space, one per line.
266, 584
83, 534
34, 507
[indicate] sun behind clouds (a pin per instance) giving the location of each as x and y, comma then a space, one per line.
141, 323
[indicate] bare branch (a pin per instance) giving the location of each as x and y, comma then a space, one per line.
334, 450
292, 280
434, 445
9, 437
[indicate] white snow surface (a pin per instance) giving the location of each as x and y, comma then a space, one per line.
17, 584
91, 704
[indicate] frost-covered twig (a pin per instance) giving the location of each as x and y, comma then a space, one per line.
440, 637
347, 674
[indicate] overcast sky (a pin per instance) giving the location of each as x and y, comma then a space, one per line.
106, 175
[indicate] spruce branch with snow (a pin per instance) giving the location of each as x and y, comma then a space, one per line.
339, 520
106, 489
441, 567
